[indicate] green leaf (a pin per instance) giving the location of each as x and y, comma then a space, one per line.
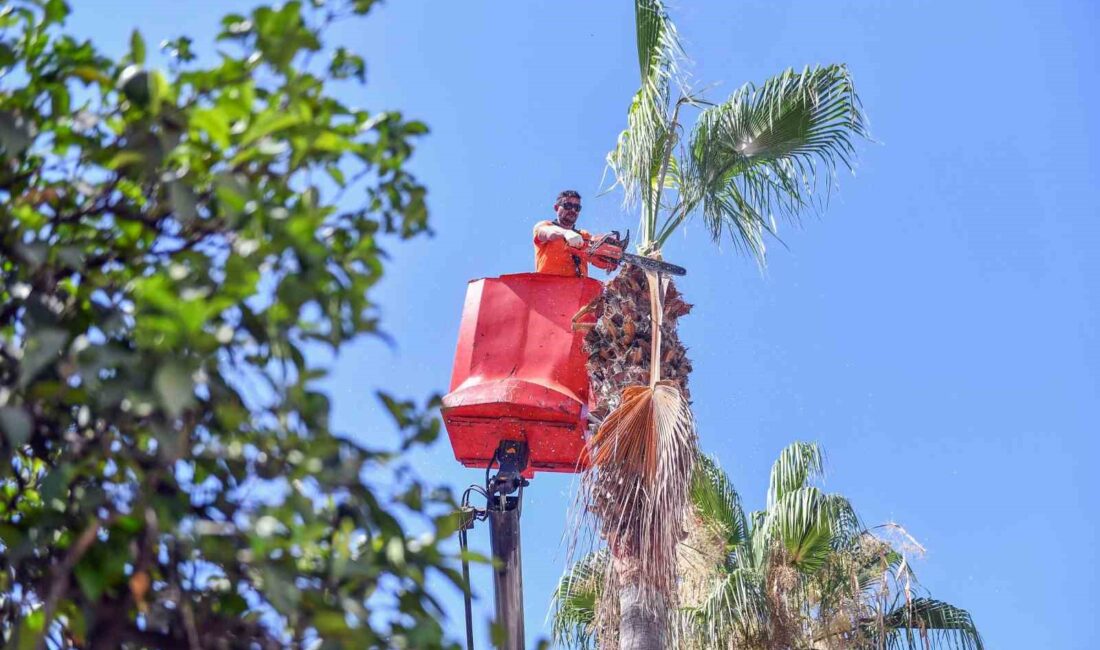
214, 122
184, 202
362, 6
269, 123
88, 74
798, 463
346, 64
231, 192
137, 47
55, 487
16, 134
31, 629
915, 624
16, 424
42, 349
124, 159
55, 11
91, 578
329, 141
174, 387
159, 90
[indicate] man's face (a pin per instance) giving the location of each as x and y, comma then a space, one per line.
568, 210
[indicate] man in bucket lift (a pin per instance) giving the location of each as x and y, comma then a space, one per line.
560, 248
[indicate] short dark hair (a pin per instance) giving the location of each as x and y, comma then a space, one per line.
567, 194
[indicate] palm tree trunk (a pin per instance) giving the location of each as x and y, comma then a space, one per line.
620, 354
640, 626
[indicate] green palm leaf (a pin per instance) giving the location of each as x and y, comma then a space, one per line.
803, 573
651, 23
573, 603
810, 525
768, 150
798, 463
925, 623
717, 502
737, 605
643, 148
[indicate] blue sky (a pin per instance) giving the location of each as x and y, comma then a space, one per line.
935, 329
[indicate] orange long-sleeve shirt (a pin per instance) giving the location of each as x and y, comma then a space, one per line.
557, 257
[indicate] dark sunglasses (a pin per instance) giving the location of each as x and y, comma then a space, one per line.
571, 206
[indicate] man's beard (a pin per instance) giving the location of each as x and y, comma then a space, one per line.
567, 222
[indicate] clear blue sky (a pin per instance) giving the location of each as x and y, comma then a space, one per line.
935, 330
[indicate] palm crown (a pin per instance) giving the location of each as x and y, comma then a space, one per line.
802, 573
767, 151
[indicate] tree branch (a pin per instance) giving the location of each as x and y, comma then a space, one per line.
62, 573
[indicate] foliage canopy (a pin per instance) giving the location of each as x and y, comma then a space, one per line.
173, 241
802, 573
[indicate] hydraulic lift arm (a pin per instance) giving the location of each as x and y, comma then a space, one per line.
503, 512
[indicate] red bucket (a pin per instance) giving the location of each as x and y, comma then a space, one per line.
519, 371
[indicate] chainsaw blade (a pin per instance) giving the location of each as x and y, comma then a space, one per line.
654, 265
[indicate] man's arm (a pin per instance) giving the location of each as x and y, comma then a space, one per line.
549, 232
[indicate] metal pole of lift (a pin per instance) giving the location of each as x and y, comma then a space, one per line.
508, 574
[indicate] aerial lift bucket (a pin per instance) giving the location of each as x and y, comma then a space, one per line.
518, 400
519, 372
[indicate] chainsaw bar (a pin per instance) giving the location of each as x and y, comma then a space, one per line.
654, 265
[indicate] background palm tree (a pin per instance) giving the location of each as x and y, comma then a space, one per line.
766, 151
803, 573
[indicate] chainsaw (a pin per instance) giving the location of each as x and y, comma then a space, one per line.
609, 250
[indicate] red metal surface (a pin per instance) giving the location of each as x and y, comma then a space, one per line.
519, 371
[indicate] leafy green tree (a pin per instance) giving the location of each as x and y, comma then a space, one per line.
172, 242
767, 151
803, 573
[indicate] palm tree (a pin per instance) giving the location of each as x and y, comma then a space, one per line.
766, 151
803, 573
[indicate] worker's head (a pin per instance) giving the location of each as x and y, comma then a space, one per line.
568, 207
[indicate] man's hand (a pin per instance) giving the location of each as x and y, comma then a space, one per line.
573, 239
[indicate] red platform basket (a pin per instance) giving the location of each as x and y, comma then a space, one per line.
519, 371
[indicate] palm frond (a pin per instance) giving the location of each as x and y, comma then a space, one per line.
798, 520
873, 562
758, 540
642, 150
737, 605
928, 624
810, 525
798, 463
769, 150
845, 527
642, 459
574, 602
717, 502
652, 24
